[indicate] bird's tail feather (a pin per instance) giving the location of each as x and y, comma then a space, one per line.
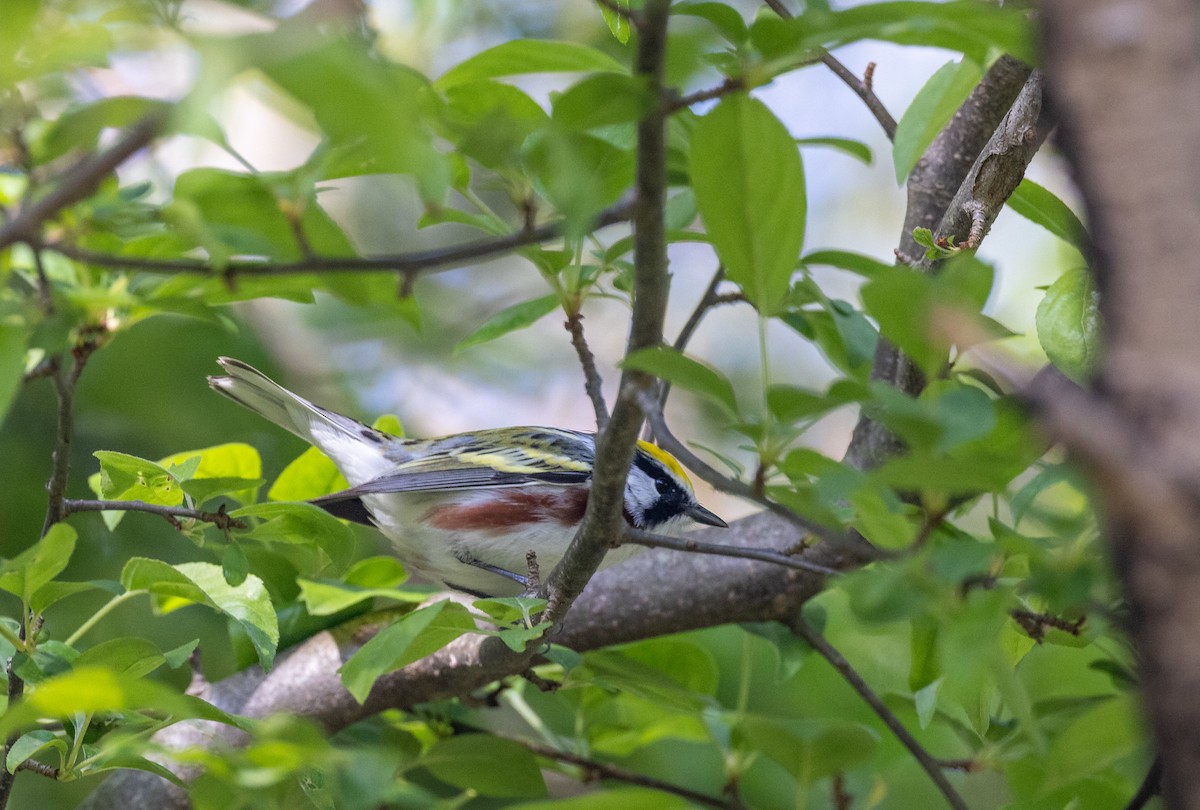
252, 389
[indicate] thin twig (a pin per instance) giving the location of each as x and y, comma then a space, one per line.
45, 293
731, 85
638, 537
16, 689
219, 518
848, 673
863, 88
1035, 624
852, 542
65, 381
604, 770
864, 91
33, 766
592, 383
416, 261
78, 182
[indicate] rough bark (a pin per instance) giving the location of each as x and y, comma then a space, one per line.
1125, 78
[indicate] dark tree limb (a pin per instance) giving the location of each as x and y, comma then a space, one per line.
615, 444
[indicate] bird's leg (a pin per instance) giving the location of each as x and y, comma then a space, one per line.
466, 558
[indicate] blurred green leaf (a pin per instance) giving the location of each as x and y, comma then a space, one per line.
930, 111
204, 584
809, 749
602, 100
690, 375
129, 657
855, 149
128, 478
725, 19
34, 567
374, 577
523, 56
749, 185
300, 523
12, 365
1038, 204
510, 319
310, 475
1068, 323
485, 764
413, 637
578, 174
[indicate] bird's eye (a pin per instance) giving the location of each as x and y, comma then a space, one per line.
663, 487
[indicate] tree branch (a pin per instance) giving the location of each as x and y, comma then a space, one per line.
785, 558
414, 262
615, 444
79, 182
930, 765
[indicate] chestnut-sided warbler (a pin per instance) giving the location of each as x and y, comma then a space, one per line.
464, 509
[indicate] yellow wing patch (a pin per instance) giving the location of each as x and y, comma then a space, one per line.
667, 460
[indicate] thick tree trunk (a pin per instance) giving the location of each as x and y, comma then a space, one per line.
1125, 79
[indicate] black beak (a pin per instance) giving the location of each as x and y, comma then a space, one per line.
701, 515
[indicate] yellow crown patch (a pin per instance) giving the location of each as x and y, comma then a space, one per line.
667, 460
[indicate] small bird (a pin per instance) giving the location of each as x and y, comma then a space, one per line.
464, 509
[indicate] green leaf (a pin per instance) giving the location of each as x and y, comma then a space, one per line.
1068, 323
790, 404
233, 469
310, 475
617, 24
34, 567
578, 174
375, 113
749, 184
964, 26
204, 583
52, 592
31, 744
490, 120
129, 478
510, 319
300, 523
930, 111
909, 306
691, 375
601, 101
12, 365
130, 657
413, 637
1038, 204
523, 56
726, 19
809, 749
855, 149
488, 765
366, 579
98, 689
864, 266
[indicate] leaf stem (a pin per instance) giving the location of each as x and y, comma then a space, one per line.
105, 609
